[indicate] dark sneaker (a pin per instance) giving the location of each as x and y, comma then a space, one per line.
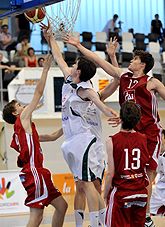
149, 222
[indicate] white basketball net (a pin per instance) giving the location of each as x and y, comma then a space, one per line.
62, 17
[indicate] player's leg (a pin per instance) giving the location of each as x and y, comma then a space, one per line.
36, 215
151, 175
79, 206
80, 202
92, 200
60, 206
154, 145
102, 209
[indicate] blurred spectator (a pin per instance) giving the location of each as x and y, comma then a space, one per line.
110, 25
31, 59
131, 30
23, 27
156, 26
8, 73
3, 21
41, 61
6, 42
21, 51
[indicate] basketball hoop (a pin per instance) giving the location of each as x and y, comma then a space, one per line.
62, 17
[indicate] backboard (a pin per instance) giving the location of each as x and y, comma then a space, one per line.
15, 7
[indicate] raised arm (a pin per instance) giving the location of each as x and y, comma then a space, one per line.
26, 114
106, 66
55, 50
109, 89
111, 50
110, 171
51, 137
90, 94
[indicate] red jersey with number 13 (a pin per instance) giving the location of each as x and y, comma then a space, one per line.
130, 157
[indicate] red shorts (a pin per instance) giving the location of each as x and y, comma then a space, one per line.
154, 136
126, 212
39, 187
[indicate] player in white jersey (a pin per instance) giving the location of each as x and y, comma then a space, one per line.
79, 145
157, 206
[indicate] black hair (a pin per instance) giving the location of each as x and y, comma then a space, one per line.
146, 58
41, 58
29, 49
4, 26
115, 16
130, 114
87, 67
7, 112
24, 37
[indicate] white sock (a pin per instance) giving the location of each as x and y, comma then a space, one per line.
94, 218
79, 217
102, 214
147, 215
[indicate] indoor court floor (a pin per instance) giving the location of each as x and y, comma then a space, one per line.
20, 220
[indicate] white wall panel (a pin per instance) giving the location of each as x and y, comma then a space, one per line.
135, 14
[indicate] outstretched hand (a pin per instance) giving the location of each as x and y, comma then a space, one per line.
70, 39
47, 31
112, 46
114, 121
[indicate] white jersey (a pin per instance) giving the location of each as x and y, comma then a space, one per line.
158, 195
74, 109
161, 171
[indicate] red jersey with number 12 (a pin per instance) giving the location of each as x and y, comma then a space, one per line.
135, 89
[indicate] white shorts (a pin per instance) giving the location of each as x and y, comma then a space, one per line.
157, 200
100, 153
80, 154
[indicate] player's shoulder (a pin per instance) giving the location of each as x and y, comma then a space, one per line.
141, 135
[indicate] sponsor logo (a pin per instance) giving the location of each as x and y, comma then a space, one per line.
134, 203
65, 118
4, 189
130, 95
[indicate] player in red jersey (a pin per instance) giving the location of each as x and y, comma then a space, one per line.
34, 177
125, 190
138, 86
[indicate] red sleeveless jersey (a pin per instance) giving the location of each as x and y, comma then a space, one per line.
135, 89
28, 146
35, 179
130, 157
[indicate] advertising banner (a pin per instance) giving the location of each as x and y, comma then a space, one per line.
64, 183
12, 193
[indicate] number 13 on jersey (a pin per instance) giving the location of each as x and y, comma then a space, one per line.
135, 164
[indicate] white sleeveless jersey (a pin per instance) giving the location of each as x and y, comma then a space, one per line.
74, 109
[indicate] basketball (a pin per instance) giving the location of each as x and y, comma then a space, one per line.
35, 15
